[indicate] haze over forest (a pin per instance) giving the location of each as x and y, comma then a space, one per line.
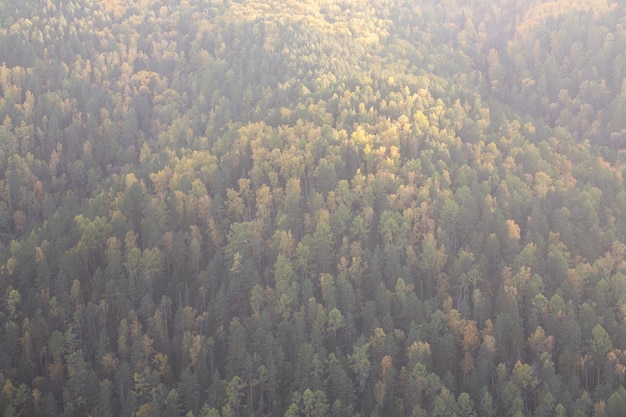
311, 208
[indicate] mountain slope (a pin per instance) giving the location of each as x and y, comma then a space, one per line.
311, 208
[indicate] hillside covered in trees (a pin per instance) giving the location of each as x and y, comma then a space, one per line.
312, 208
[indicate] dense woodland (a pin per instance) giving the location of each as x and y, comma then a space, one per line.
312, 208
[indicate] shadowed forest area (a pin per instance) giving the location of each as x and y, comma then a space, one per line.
311, 208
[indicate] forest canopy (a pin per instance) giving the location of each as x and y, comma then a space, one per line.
312, 208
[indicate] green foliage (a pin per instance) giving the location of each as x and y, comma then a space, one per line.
312, 208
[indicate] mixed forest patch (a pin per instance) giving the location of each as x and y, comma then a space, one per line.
312, 208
